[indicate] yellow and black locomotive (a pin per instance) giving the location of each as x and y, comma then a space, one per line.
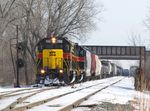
59, 61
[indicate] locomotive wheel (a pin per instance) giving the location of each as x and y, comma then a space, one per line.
80, 78
69, 79
72, 78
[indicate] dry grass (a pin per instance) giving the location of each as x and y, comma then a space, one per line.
106, 106
141, 102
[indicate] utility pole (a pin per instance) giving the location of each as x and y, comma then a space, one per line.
17, 76
141, 78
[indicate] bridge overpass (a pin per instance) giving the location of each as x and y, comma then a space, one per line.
119, 52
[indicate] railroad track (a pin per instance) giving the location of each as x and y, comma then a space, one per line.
63, 104
3, 93
18, 96
77, 102
30, 101
23, 91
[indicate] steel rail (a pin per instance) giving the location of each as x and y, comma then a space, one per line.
31, 105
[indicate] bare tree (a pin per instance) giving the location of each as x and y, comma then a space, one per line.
60, 18
38, 19
6, 15
136, 40
147, 64
70, 18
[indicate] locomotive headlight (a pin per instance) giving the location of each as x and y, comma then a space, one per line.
42, 71
53, 39
81, 72
61, 71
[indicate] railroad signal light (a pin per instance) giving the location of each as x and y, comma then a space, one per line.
20, 46
20, 63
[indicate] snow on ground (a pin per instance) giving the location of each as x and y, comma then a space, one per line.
7, 101
55, 92
62, 102
5, 89
44, 95
121, 93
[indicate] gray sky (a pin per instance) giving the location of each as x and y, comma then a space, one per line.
120, 19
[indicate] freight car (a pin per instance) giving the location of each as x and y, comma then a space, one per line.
110, 69
133, 70
114, 69
61, 61
119, 71
106, 69
126, 72
92, 66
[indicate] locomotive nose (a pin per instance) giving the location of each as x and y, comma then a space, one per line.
53, 58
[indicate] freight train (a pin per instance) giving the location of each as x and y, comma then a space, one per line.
110, 69
60, 60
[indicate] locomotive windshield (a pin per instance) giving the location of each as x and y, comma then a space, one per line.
49, 46
53, 46
46, 44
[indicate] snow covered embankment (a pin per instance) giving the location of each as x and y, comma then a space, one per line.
122, 93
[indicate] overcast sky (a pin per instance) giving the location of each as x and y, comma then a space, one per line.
120, 19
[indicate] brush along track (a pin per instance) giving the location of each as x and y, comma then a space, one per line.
23, 106
20, 95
